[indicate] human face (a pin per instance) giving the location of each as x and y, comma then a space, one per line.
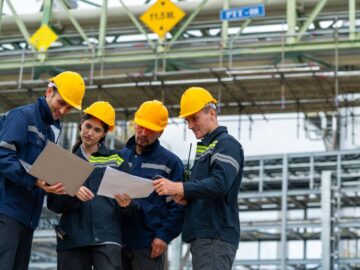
57, 105
91, 132
145, 137
201, 123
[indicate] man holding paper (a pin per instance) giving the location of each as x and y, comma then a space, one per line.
24, 132
150, 223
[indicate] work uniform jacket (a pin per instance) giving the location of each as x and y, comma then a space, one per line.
154, 216
213, 187
96, 221
24, 132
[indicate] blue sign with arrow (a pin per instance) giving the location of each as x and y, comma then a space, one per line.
242, 13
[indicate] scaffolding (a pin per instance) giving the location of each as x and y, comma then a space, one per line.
301, 58
307, 61
303, 205
297, 211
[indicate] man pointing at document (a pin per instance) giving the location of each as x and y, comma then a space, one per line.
211, 224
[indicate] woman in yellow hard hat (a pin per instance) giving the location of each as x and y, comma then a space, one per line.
89, 233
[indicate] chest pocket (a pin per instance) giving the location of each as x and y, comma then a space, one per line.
201, 168
36, 137
36, 142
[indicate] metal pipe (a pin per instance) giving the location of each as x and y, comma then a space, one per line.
90, 3
117, 15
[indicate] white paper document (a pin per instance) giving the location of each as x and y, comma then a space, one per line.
55, 164
115, 181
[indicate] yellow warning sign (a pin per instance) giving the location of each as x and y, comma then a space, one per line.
162, 16
43, 38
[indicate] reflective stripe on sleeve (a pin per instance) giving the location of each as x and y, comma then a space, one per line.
8, 145
226, 159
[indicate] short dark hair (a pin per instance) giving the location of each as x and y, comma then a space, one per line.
55, 90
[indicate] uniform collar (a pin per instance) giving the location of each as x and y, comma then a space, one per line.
45, 112
211, 136
132, 145
102, 151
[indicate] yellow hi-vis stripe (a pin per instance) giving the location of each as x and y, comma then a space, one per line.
202, 148
114, 158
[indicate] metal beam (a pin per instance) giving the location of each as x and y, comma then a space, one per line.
242, 27
1, 9
102, 28
291, 21
187, 22
284, 214
225, 26
47, 10
352, 19
75, 23
311, 18
326, 220
188, 53
20, 24
137, 24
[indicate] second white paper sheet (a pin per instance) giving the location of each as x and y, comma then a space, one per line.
115, 181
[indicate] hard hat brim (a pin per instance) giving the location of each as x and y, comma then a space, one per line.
147, 125
78, 107
183, 115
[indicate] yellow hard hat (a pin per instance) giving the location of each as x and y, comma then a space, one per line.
152, 115
103, 111
193, 100
71, 87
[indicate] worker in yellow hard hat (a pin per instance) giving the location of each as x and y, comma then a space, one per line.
65, 92
211, 224
152, 222
24, 133
89, 233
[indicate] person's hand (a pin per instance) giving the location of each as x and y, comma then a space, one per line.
179, 199
84, 194
158, 247
122, 199
58, 188
164, 186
